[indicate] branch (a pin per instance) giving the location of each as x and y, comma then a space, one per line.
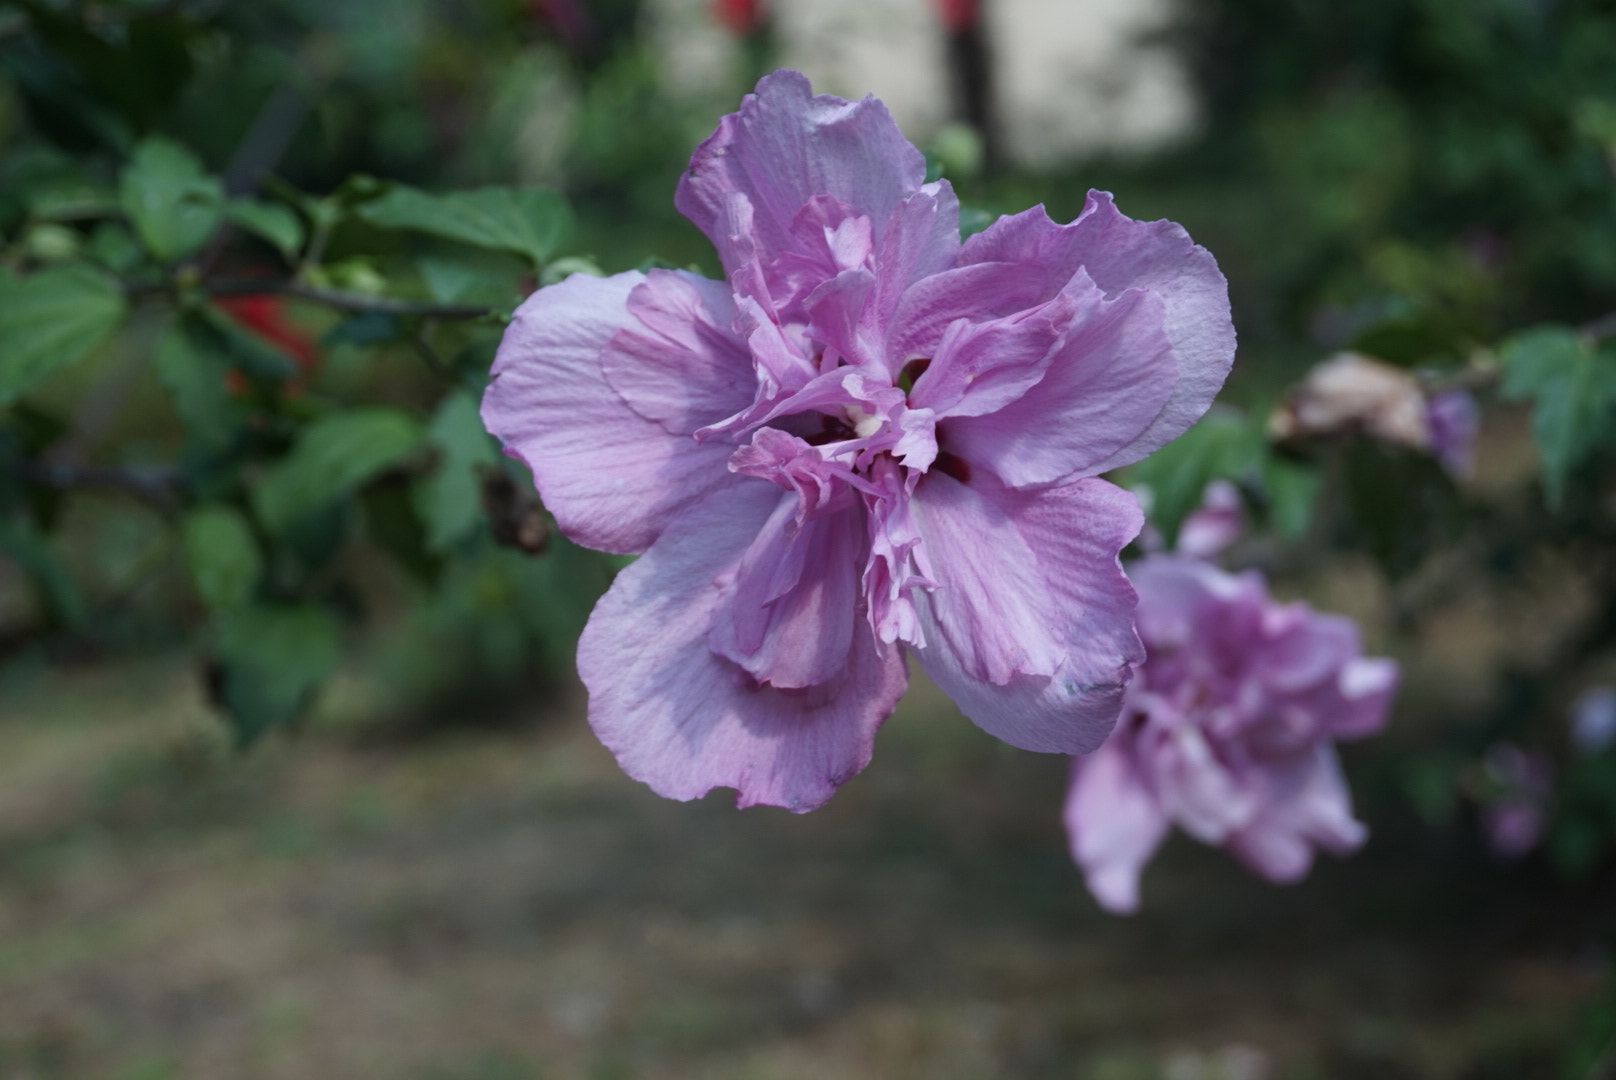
343, 301
157, 484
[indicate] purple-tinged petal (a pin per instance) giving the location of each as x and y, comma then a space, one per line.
612, 478
784, 147
1030, 629
1366, 685
828, 237
921, 240
1121, 254
1215, 524
897, 566
681, 365
684, 720
1307, 803
1113, 824
1454, 420
917, 440
1106, 383
1208, 797
984, 367
981, 292
1303, 648
837, 319
784, 459
1231, 718
794, 599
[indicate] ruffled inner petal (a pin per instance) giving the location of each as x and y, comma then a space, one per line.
784, 147
686, 720
793, 602
1105, 383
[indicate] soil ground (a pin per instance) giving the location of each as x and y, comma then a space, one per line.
501, 903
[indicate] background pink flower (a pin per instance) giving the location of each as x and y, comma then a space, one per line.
1228, 732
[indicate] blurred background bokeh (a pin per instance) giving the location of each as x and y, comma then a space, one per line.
313, 796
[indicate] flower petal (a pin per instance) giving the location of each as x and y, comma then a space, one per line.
984, 367
679, 362
920, 241
1209, 798
1122, 254
1307, 803
784, 147
1106, 383
685, 720
1112, 824
793, 600
612, 478
1030, 630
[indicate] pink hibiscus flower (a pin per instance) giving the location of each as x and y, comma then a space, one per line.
869, 440
1229, 731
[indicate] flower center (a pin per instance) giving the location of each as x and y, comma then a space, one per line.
864, 424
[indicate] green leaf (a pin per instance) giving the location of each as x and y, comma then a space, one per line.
1399, 503
393, 523
332, 458
273, 222
51, 319
115, 247
224, 558
1572, 385
471, 275
450, 499
529, 221
273, 659
1292, 489
30, 550
1225, 444
191, 365
173, 204
973, 220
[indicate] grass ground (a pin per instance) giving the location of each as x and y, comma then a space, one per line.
500, 903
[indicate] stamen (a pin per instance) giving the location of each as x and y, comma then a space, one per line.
864, 425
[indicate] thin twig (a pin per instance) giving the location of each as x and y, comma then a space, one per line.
157, 484
343, 301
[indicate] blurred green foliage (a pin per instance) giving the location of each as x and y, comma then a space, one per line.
212, 314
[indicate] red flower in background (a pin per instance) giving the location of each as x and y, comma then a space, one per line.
743, 17
264, 316
959, 15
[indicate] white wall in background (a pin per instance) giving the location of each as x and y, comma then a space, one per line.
1073, 76
697, 56
893, 49
1076, 76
